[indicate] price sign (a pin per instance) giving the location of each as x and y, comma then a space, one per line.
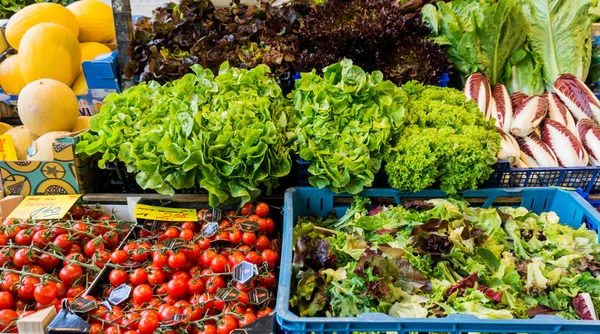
44, 207
7, 148
150, 212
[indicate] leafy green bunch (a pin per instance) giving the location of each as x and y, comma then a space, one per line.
447, 141
439, 257
225, 132
342, 124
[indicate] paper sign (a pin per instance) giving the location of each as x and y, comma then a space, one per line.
7, 148
150, 212
44, 207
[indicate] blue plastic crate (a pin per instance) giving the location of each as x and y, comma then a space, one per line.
585, 178
570, 207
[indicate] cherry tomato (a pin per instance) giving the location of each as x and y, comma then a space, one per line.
147, 325
131, 320
118, 256
159, 260
270, 257
70, 273
177, 260
270, 226
93, 246
195, 286
248, 319
74, 257
263, 313
245, 287
156, 276
41, 239
46, 293
219, 264
77, 211
75, 291
193, 313
213, 284
268, 281
111, 239
253, 257
204, 243
138, 276
7, 317
207, 257
8, 283
118, 277
142, 293
181, 275
246, 209
167, 312
249, 238
262, 243
186, 234
27, 287
235, 237
141, 253
37, 270
6, 300
23, 257
170, 233
193, 253
63, 242
226, 325
262, 209
176, 287
23, 238
208, 329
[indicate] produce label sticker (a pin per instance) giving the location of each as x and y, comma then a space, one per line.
150, 212
7, 148
44, 207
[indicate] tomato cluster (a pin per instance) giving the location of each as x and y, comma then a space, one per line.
179, 271
43, 262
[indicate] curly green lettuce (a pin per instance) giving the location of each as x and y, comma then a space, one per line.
226, 132
343, 122
448, 142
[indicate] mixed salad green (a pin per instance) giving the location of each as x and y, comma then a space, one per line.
439, 257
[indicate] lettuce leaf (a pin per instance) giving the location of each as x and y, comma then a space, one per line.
559, 32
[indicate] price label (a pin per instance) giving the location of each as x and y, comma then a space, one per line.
7, 148
150, 212
44, 207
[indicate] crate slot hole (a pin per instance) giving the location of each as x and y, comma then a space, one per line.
308, 203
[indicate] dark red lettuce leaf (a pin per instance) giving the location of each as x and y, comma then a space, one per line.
584, 307
540, 310
491, 294
466, 283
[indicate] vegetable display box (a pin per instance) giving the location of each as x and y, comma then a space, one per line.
585, 178
568, 205
66, 174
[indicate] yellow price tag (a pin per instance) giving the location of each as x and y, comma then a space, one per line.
44, 207
7, 148
150, 212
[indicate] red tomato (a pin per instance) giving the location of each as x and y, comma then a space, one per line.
170, 233
176, 287
142, 293
195, 286
63, 241
190, 225
74, 258
177, 260
23, 257
156, 276
213, 284
207, 257
246, 209
118, 256
235, 237
6, 300
37, 270
219, 264
41, 239
45, 294
270, 257
245, 287
226, 325
70, 273
75, 291
262, 243
193, 313
62, 291
208, 329
3, 239
262, 209
93, 246
141, 253
159, 260
8, 283
147, 325
118, 277
23, 238
253, 257
206, 302
111, 239
181, 275
263, 313
167, 311
249, 238
138, 276
186, 234
7, 317
270, 226
248, 319
268, 281
162, 289
193, 253
25, 291
131, 320
204, 243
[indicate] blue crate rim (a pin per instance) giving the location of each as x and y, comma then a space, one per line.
455, 322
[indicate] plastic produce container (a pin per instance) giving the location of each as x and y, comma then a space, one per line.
570, 207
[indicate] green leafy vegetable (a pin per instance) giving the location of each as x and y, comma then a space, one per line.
225, 133
343, 122
480, 272
447, 141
